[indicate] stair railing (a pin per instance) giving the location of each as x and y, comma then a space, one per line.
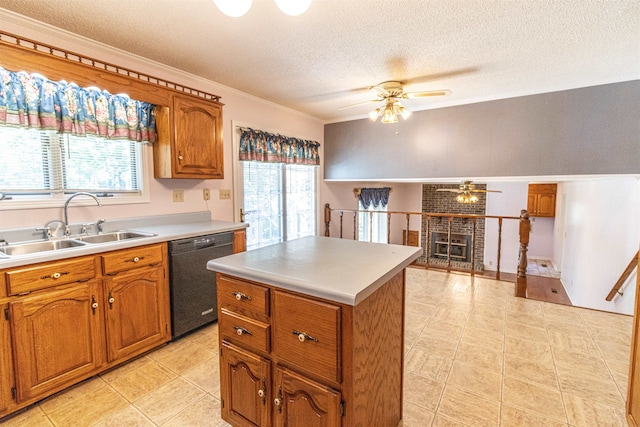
616, 289
525, 229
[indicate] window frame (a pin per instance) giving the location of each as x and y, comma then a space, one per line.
57, 198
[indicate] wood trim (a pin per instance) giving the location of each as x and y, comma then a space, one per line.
22, 54
633, 388
623, 277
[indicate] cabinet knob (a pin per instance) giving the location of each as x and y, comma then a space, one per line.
303, 336
261, 393
240, 296
94, 305
277, 401
242, 331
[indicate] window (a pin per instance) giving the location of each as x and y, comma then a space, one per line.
279, 202
38, 163
372, 227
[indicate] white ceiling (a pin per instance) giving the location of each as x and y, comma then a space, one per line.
327, 57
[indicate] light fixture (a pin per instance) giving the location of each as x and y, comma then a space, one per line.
237, 8
466, 198
293, 7
233, 8
390, 112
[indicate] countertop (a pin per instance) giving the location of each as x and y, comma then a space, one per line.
165, 228
339, 270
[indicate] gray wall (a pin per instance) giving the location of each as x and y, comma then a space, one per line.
594, 130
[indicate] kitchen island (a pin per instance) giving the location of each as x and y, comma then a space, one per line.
311, 333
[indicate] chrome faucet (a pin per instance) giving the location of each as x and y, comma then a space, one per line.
67, 230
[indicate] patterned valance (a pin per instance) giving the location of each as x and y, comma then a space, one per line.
262, 146
32, 101
374, 197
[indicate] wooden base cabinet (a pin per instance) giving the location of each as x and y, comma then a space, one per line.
6, 365
293, 360
78, 318
136, 313
57, 338
300, 401
247, 377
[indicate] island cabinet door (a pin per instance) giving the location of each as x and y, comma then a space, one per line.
244, 387
301, 402
57, 338
137, 310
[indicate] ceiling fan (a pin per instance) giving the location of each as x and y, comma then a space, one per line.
391, 92
466, 192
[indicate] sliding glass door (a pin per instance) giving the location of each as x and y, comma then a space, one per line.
279, 202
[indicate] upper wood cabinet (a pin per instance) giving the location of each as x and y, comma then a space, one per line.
190, 141
542, 200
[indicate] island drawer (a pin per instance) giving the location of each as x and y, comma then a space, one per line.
32, 278
132, 258
243, 296
244, 331
307, 334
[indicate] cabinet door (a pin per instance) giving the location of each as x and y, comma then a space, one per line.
57, 338
6, 364
197, 139
137, 310
546, 205
300, 402
244, 387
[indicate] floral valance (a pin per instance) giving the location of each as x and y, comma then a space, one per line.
32, 101
262, 146
374, 197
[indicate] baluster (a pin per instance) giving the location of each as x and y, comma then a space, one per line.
473, 248
499, 247
341, 214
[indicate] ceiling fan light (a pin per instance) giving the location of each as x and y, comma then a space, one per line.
389, 116
293, 7
233, 8
403, 111
373, 115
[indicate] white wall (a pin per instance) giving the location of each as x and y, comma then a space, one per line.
508, 203
601, 234
237, 107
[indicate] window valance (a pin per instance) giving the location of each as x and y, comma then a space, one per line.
262, 146
33, 101
374, 197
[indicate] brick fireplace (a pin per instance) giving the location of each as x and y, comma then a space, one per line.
461, 229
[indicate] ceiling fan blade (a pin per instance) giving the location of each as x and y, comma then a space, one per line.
412, 95
452, 190
359, 103
485, 191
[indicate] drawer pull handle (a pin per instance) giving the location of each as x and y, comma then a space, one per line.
242, 331
94, 304
303, 336
278, 400
262, 393
135, 259
55, 275
240, 296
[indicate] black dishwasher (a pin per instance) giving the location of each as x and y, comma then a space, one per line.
192, 286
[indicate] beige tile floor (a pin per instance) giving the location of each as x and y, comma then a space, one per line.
541, 267
475, 356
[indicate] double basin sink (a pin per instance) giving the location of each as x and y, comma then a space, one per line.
23, 248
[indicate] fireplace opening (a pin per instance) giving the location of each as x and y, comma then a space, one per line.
460, 245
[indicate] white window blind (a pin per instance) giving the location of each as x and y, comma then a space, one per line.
34, 161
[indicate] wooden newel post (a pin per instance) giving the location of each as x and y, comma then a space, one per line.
327, 219
525, 230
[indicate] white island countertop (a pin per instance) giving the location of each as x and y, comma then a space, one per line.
339, 270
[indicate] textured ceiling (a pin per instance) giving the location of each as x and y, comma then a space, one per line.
325, 59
